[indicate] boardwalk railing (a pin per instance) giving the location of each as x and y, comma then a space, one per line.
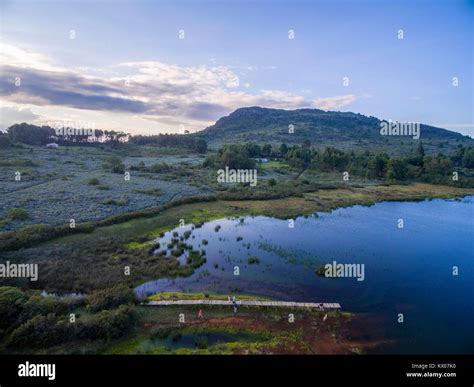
317, 305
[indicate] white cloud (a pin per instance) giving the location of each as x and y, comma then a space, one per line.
12, 114
333, 103
140, 95
23, 58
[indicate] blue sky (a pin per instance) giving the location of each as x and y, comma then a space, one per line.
126, 67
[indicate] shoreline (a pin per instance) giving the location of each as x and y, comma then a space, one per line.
210, 207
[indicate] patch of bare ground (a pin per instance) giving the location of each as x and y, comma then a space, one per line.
308, 334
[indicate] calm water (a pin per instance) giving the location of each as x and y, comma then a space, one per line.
407, 270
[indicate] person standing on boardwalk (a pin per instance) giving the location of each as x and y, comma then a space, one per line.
200, 313
234, 302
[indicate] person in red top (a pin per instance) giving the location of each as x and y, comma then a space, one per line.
200, 313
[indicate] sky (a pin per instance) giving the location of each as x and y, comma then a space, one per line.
154, 67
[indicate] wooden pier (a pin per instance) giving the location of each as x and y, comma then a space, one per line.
316, 305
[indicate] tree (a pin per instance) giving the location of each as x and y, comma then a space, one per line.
420, 150
376, 166
299, 157
396, 169
468, 158
115, 164
438, 165
235, 157
253, 150
333, 158
283, 149
266, 150
30, 134
196, 144
200, 146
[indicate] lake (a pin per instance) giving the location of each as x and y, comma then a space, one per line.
410, 270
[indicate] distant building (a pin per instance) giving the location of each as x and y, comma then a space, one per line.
52, 145
259, 160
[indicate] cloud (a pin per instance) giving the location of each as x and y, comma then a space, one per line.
10, 115
21, 58
64, 88
333, 103
154, 91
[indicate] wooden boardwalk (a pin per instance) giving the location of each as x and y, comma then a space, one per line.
317, 305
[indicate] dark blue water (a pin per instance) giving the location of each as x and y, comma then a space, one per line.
408, 270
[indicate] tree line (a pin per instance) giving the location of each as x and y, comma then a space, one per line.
42, 135
372, 165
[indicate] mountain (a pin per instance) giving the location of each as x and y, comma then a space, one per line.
322, 128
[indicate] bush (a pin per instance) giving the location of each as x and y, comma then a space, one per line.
93, 181
115, 164
39, 305
110, 298
18, 214
108, 324
252, 260
12, 301
40, 331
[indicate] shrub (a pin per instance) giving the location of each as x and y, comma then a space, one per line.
252, 260
11, 304
38, 331
110, 298
115, 164
93, 181
18, 214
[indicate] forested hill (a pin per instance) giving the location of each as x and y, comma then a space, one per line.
321, 128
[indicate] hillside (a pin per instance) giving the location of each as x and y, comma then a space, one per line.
322, 128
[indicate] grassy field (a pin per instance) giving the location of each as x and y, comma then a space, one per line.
323, 200
71, 183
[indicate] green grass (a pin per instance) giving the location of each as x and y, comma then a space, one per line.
170, 296
323, 200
